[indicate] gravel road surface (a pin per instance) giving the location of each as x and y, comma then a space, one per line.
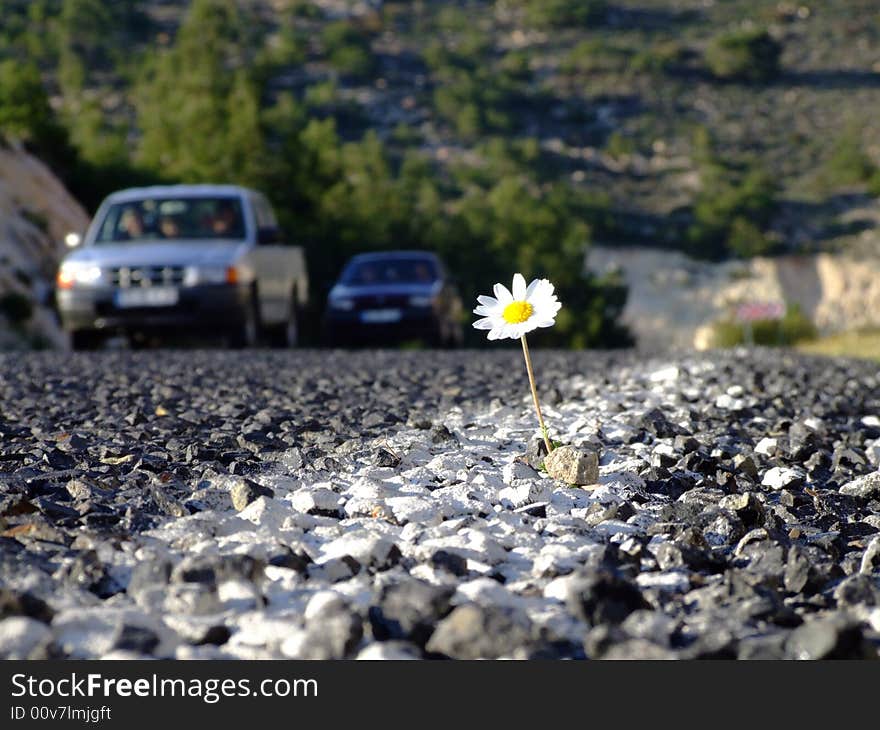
329, 504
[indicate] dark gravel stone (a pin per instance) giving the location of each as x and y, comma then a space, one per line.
835, 637
22, 603
478, 632
137, 639
147, 574
409, 610
297, 561
603, 596
450, 562
333, 635
384, 457
215, 636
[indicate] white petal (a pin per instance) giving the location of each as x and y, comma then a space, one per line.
483, 324
503, 295
531, 288
488, 311
542, 289
496, 333
546, 309
487, 301
519, 288
545, 323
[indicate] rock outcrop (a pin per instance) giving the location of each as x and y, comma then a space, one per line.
36, 211
673, 298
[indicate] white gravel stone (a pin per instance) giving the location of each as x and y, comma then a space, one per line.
872, 451
307, 500
20, 636
668, 374
415, 509
767, 446
267, 512
780, 477
385, 651
866, 486
517, 471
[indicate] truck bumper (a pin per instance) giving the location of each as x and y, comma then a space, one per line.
207, 307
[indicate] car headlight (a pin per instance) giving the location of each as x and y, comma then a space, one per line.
346, 305
421, 301
210, 275
76, 273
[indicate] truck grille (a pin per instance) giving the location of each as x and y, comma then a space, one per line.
126, 277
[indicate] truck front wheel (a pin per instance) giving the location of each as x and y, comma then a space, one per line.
287, 333
247, 332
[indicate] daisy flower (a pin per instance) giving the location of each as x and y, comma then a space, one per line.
512, 314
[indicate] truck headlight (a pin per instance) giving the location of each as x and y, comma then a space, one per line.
76, 273
210, 275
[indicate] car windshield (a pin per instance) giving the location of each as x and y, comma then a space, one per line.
390, 271
190, 218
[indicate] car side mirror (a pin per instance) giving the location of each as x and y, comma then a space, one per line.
268, 235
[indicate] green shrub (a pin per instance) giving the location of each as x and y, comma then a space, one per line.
730, 209
794, 327
594, 55
745, 239
348, 49
564, 13
848, 163
660, 57
619, 145
751, 55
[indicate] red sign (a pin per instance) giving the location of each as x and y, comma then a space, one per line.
756, 311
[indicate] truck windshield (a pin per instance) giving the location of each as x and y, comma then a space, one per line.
157, 219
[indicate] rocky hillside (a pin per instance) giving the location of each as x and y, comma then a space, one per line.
36, 211
673, 299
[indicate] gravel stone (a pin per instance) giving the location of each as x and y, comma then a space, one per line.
267, 505
571, 466
244, 492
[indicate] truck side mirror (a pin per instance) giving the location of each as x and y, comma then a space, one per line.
268, 235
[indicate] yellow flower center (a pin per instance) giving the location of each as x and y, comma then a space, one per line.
517, 312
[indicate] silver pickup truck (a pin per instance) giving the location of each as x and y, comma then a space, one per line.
204, 258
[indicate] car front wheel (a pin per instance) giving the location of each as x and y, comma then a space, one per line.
83, 340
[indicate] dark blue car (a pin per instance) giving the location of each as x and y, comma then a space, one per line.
394, 296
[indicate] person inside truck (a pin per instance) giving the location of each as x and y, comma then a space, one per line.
226, 223
169, 227
131, 224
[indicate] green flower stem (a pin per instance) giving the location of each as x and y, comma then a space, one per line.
528, 357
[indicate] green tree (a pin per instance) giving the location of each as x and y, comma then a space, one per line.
25, 112
348, 49
200, 121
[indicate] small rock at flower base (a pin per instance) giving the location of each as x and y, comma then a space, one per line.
573, 466
246, 491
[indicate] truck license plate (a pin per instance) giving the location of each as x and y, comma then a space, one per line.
380, 316
154, 296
